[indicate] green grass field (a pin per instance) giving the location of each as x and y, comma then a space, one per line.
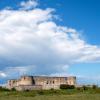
51, 95
54, 97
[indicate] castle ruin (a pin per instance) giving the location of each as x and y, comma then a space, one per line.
40, 82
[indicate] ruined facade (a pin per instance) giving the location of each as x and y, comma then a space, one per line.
40, 82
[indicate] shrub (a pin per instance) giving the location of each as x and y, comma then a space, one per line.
85, 87
64, 86
40, 92
94, 87
13, 89
79, 88
3, 89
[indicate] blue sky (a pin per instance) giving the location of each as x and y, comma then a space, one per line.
80, 14
82, 19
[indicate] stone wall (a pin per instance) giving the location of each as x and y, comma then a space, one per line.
54, 82
26, 80
12, 83
34, 82
28, 87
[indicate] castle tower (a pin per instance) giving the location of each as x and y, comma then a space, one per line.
26, 80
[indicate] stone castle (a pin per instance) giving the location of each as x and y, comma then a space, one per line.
40, 82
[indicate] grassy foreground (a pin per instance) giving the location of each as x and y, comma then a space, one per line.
52, 95
55, 97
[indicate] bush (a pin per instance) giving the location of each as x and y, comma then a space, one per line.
13, 89
40, 92
64, 86
79, 88
94, 87
85, 87
3, 89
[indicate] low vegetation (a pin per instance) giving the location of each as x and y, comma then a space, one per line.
69, 92
64, 86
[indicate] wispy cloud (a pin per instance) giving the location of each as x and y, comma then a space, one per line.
28, 4
17, 71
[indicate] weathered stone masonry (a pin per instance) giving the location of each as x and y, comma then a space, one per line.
40, 82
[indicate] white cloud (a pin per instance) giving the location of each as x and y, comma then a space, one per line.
29, 4
17, 71
33, 38
2, 75
88, 80
30, 70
